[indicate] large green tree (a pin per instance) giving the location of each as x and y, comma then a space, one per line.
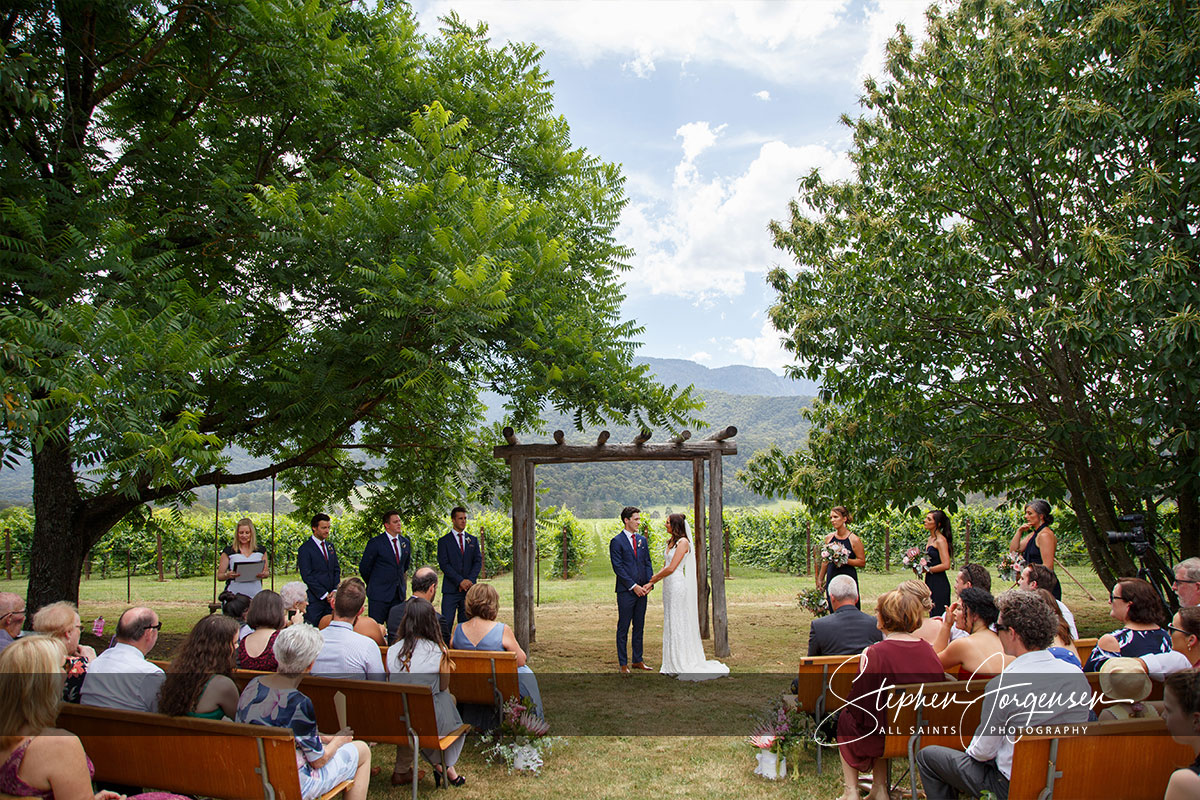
300, 227
1006, 297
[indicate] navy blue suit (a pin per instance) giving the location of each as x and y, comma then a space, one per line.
385, 575
630, 570
457, 566
320, 576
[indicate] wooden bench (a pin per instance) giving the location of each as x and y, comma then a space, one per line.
196, 757
483, 677
822, 686
949, 724
1129, 759
1083, 648
377, 711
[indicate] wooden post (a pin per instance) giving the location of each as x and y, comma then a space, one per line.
716, 551
87, 568
887, 548
531, 493
522, 509
967, 541
216, 545
482, 556
566, 531
158, 547
808, 548
725, 539
8, 553
128, 578
699, 543
272, 533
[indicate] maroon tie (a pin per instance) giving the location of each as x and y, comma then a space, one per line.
396, 547
633, 539
462, 550
325, 550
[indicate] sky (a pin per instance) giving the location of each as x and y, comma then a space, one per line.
714, 110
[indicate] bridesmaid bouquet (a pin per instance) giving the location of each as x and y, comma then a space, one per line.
1011, 565
915, 560
813, 601
835, 554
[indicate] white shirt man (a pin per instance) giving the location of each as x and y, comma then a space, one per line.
1028, 581
347, 654
121, 677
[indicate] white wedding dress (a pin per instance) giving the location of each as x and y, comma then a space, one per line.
682, 652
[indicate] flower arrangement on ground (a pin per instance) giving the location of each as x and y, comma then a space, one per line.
813, 601
836, 554
915, 559
521, 741
777, 731
1011, 565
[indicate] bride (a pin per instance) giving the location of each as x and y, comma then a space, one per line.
682, 653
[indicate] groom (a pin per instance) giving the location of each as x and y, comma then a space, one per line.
630, 555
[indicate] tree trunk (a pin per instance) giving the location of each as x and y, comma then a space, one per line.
1188, 500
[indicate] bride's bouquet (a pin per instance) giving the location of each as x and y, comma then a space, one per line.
813, 601
836, 554
1010, 567
521, 741
915, 560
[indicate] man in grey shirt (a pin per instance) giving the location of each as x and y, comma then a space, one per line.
347, 654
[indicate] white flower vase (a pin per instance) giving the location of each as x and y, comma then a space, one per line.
526, 758
771, 766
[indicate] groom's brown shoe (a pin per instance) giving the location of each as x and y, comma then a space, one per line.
641, 665
624, 669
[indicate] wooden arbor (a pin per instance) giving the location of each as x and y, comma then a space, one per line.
523, 458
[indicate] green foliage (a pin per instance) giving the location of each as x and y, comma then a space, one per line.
563, 540
1004, 297
303, 228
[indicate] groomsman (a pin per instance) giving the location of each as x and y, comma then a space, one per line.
319, 570
460, 561
384, 566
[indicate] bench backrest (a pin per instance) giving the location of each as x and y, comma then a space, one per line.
1129, 759
484, 676
949, 714
825, 680
196, 757
376, 711
1084, 647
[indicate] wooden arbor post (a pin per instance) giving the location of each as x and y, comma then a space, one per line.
523, 459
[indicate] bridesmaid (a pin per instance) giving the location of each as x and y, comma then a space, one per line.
839, 517
1038, 547
937, 556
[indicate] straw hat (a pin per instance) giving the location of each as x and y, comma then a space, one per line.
1124, 679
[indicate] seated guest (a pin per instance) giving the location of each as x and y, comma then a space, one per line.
481, 631
1185, 644
846, 630
348, 654
61, 620
1134, 602
1064, 643
1026, 628
199, 682
37, 759
12, 617
969, 575
364, 625
1187, 582
1181, 710
275, 700
424, 585
1124, 682
979, 654
1039, 576
295, 600
420, 657
900, 658
266, 619
121, 677
930, 627
235, 606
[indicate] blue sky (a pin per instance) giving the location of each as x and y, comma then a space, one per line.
714, 110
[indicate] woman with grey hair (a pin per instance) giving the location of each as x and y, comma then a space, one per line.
1035, 541
295, 600
275, 700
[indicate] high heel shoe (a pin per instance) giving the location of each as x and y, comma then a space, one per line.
437, 778
459, 781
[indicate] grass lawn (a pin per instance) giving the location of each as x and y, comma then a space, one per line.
642, 735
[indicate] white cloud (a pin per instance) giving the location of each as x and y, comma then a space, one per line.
810, 41
700, 357
697, 137
703, 240
763, 351
764, 95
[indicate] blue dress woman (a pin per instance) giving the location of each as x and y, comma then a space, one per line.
482, 632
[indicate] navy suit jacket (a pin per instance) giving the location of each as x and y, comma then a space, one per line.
455, 565
630, 570
378, 567
319, 575
846, 631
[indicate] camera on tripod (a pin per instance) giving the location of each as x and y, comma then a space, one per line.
1135, 537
